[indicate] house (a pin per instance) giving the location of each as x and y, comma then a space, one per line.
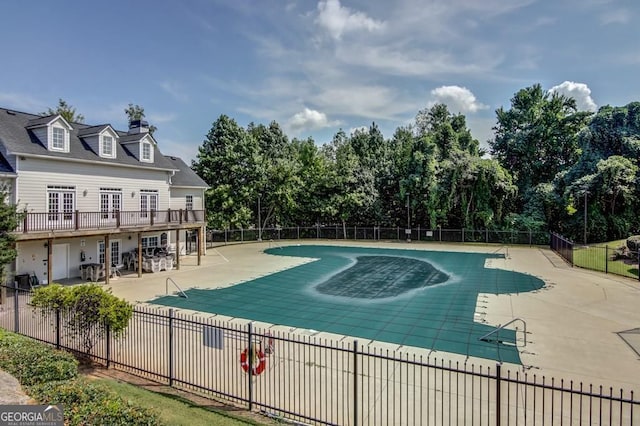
94, 196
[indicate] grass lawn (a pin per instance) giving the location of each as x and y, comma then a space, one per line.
173, 409
595, 257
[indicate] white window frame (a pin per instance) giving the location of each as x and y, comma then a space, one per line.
149, 200
61, 202
110, 202
188, 202
144, 146
107, 146
56, 132
150, 241
116, 247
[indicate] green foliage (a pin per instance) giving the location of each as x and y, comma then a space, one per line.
66, 111
549, 162
88, 403
90, 310
136, 112
9, 219
32, 362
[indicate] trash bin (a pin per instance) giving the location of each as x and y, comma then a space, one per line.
22, 281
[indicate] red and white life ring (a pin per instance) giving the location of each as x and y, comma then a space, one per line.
245, 361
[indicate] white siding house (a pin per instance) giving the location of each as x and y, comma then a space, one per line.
91, 195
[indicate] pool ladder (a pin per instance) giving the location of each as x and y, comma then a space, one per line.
486, 337
180, 292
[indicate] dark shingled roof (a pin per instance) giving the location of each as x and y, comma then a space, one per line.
92, 130
185, 176
17, 139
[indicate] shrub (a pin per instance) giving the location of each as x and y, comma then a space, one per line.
90, 308
633, 243
91, 403
32, 362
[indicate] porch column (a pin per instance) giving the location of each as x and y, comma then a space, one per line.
177, 249
49, 260
199, 236
107, 259
139, 255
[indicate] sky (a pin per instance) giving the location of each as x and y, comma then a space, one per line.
313, 66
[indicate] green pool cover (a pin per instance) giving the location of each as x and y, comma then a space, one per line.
409, 297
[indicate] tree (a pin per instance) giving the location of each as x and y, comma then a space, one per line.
136, 112
537, 137
66, 111
90, 311
229, 161
9, 219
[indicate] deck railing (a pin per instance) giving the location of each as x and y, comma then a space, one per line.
79, 220
313, 380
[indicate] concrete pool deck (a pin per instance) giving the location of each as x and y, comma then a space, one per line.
572, 323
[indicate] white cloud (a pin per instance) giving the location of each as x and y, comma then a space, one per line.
360, 129
22, 102
618, 16
457, 99
578, 91
338, 20
308, 119
175, 91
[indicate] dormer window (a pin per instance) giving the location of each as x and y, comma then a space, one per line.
146, 153
106, 147
58, 138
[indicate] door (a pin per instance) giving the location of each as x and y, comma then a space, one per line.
60, 259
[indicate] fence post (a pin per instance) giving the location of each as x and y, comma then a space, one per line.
298, 231
170, 347
418, 232
250, 369
355, 382
242, 235
463, 235
16, 306
498, 374
57, 328
638, 264
606, 259
108, 346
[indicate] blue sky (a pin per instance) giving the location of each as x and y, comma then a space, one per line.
313, 66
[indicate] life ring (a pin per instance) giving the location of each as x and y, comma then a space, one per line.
255, 369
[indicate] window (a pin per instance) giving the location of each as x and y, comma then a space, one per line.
189, 202
149, 242
148, 201
60, 202
146, 153
110, 202
107, 147
58, 138
115, 252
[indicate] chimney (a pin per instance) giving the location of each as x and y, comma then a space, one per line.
138, 126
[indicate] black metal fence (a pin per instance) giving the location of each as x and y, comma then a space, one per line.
374, 233
305, 378
617, 260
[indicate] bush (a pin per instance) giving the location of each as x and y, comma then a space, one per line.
633, 243
90, 308
32, 362
91, 403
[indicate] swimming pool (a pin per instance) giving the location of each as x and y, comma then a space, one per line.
409, 297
